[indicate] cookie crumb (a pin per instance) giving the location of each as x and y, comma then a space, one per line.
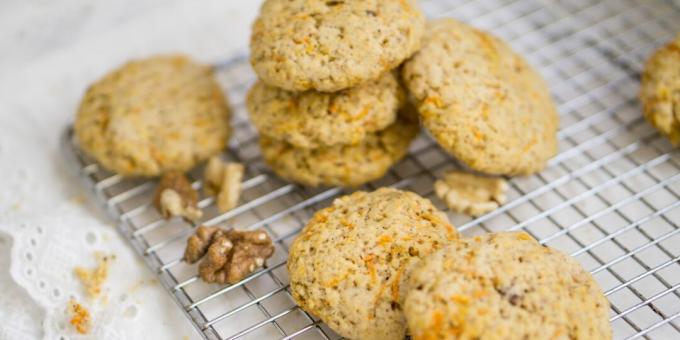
223, 180
80, 317
175, 196
93, 279
471, 194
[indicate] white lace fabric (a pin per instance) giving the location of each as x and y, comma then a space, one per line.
54, 50
45, 252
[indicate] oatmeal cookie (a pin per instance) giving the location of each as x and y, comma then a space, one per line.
154, 115
481, 101
348, 264
298, 45
504, 286
660, 90
341, 165
313, 119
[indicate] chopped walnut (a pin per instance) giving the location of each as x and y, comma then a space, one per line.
93, 279
224, 181
228, 256
176, 197
80, 317
471, 194
197, 244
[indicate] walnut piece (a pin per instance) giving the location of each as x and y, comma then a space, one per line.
224, 181
198, 243
471, 194
175, 196
228, 256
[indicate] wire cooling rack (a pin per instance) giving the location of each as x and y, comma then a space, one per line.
610, 198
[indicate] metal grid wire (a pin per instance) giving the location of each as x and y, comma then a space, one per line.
610, 198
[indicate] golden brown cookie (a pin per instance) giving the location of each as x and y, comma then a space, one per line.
313, 119
341, 165
481, 101
298, 45
660, 90
348, 264
504, 286
154, 115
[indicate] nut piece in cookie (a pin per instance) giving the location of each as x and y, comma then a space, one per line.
471, 194
350, 262
660, 90
175, 196
224, 181
504, 286
228, 256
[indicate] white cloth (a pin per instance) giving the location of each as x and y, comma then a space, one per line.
51, 51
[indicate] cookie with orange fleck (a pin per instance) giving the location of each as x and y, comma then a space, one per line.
660, 90
154, 115
481, 101
300, 45
349, 263
312, 119
504, 286
342, 164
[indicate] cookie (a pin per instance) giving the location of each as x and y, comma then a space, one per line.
312, 119
343, 164
298, 45
481, 101
348, 264
504, 286
660, 90
153, 115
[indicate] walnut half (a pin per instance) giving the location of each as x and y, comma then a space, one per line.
224, 181
228, 256
175, 196
471, 194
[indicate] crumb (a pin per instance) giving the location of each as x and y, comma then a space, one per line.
93, 279
135, 287
79, 199
80, 317
469, 193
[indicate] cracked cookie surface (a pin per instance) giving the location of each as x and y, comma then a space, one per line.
328, 46
313, 119
504, 286
660, 90
348, 264
341, 165
154, 115
481, 101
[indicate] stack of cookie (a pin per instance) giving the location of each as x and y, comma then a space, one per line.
328, 98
